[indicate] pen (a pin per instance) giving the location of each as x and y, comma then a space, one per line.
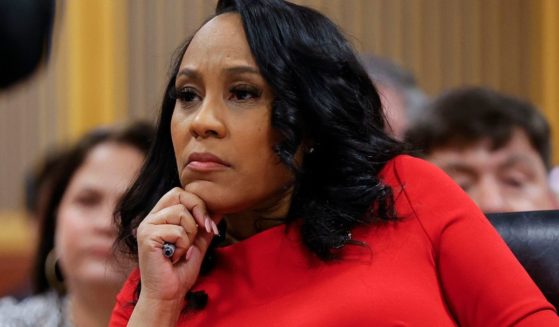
168, 249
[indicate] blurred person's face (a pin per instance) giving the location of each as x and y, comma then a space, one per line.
512, 178
85, 231
221, 125
395, 111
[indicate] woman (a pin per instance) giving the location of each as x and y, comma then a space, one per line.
76, 275
272, 130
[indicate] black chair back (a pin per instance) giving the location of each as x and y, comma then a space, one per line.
533, 236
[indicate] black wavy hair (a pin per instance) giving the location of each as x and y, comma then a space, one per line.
138, 135
322, 95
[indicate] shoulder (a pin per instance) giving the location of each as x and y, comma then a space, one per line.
125, 300
422, 182
408, 169
424, 192
127, 293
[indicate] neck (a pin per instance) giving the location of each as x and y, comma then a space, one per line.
91, 307
243, 225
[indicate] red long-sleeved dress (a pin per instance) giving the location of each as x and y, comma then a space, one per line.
441, 264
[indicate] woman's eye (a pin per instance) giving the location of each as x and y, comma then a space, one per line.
245, 93
186, 95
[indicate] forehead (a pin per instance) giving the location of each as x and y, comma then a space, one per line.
108, 165
221, 39
480, 155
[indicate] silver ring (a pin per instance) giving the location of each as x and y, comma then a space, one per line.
168, 249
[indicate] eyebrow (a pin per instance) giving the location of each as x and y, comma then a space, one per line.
242, 70
508, 163
189, 73
517, 160
235, 70
458, 167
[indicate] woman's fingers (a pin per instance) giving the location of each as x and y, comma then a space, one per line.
161, 234
173, 225
192, 203
181, 219
174, 215
178, 208
195, 254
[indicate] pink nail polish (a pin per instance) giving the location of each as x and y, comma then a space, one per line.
208, 222
215, 229
189, 253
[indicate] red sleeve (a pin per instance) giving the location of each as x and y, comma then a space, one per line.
483, 283
125, 300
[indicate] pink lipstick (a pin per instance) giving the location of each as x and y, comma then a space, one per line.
206, 162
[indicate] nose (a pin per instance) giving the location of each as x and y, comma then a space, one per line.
105, 222
208, 121
490, 197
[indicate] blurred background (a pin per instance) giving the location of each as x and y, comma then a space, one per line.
109, 60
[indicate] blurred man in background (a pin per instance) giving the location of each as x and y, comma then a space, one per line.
496, 147
401, 97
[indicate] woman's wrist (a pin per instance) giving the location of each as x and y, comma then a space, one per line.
156, 312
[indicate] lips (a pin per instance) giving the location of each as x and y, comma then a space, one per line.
206, 162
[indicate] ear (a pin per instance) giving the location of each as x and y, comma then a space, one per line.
308, 146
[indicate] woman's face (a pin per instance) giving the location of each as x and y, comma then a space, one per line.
220, 128
85, 231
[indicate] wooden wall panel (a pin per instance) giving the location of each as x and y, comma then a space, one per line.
510, 45
550, 66
156, 30
446, 43
470, 35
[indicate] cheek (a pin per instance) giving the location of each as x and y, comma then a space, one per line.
539, 196
70, 232
179, 136
256, 140
263, 167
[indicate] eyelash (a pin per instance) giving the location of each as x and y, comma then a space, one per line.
239, 90
240, 93
185, 95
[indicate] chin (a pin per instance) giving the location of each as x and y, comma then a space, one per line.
105, 279
102, 274
217, 204
218, 200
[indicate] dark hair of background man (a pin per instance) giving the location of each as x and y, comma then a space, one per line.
467, 116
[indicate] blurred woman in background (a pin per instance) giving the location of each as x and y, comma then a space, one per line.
76, 274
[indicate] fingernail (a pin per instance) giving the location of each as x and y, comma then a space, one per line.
197, 213
215, 229
188, 253
208, 223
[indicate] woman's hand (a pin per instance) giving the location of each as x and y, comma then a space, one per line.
181, 218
